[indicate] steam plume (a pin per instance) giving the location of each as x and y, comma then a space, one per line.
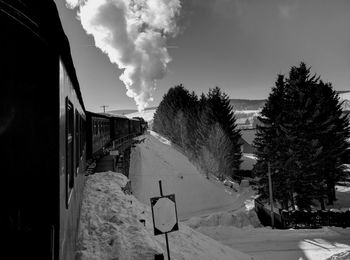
133, 35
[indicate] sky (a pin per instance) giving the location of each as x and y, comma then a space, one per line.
238, 45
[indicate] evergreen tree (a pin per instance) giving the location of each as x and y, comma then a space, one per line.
205, 129
303, 137
173, 114
217, 118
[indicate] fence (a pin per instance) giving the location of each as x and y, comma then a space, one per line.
264, 215
123, 141
303, 218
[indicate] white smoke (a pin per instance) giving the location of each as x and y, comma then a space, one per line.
133, 35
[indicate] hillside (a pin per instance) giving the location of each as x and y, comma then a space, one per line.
247, 104
128, 111
237, 104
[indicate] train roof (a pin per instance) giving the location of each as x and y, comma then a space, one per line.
41, 18
89, 113
107, 115
115, 115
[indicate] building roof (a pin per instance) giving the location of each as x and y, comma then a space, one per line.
248, 135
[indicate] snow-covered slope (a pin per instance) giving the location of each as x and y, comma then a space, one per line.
156, 159
110, 228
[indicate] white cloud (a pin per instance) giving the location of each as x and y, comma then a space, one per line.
288, 8
133, 35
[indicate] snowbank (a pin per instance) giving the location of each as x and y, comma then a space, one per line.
237, 219
340, 256
110, 228
274, 244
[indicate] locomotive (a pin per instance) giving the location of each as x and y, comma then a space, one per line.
46, 134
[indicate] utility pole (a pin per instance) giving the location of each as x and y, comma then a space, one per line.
271, 197
166, 234
104, 108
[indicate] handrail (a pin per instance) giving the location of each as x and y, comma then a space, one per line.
120, 141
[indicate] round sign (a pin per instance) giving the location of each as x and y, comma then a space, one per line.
164, 214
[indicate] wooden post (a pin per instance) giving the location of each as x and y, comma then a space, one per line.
271, 196
166, 234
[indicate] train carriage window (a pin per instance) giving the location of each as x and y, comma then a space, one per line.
69, 150
77, 140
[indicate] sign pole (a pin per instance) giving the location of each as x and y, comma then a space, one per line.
166, 234
160, 188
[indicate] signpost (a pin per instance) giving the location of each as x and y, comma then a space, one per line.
164, 215
271, 195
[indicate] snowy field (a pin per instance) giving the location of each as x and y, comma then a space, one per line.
219, 223
210, 209
155, 159
268, 244
110, 228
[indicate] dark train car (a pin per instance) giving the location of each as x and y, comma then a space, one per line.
98, 131
143, 124
135, 126
119, 126
42, 143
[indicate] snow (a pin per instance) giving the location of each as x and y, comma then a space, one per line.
156, 159
237, 226
268, 244
110, 228
248, 161
237, 219
254, 112
343, 198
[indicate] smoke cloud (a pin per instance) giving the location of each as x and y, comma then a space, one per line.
133, 35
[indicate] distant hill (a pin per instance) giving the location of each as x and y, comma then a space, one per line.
128, 111
346, 105
247, 104
122, 111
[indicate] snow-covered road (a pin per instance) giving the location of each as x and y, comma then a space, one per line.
156, 159
268, 244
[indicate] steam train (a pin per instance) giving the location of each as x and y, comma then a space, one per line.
46, 134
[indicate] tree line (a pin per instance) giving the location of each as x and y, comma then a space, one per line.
302, 135
204, 127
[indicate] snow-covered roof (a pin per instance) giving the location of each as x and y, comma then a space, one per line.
114, 115
248, 135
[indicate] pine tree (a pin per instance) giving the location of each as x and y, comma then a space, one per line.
270, 143
217, 118
303, 136
173, 115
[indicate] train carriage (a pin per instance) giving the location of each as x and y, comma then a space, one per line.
135, 126
99, 131
119, 126
45, 134
42, 139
